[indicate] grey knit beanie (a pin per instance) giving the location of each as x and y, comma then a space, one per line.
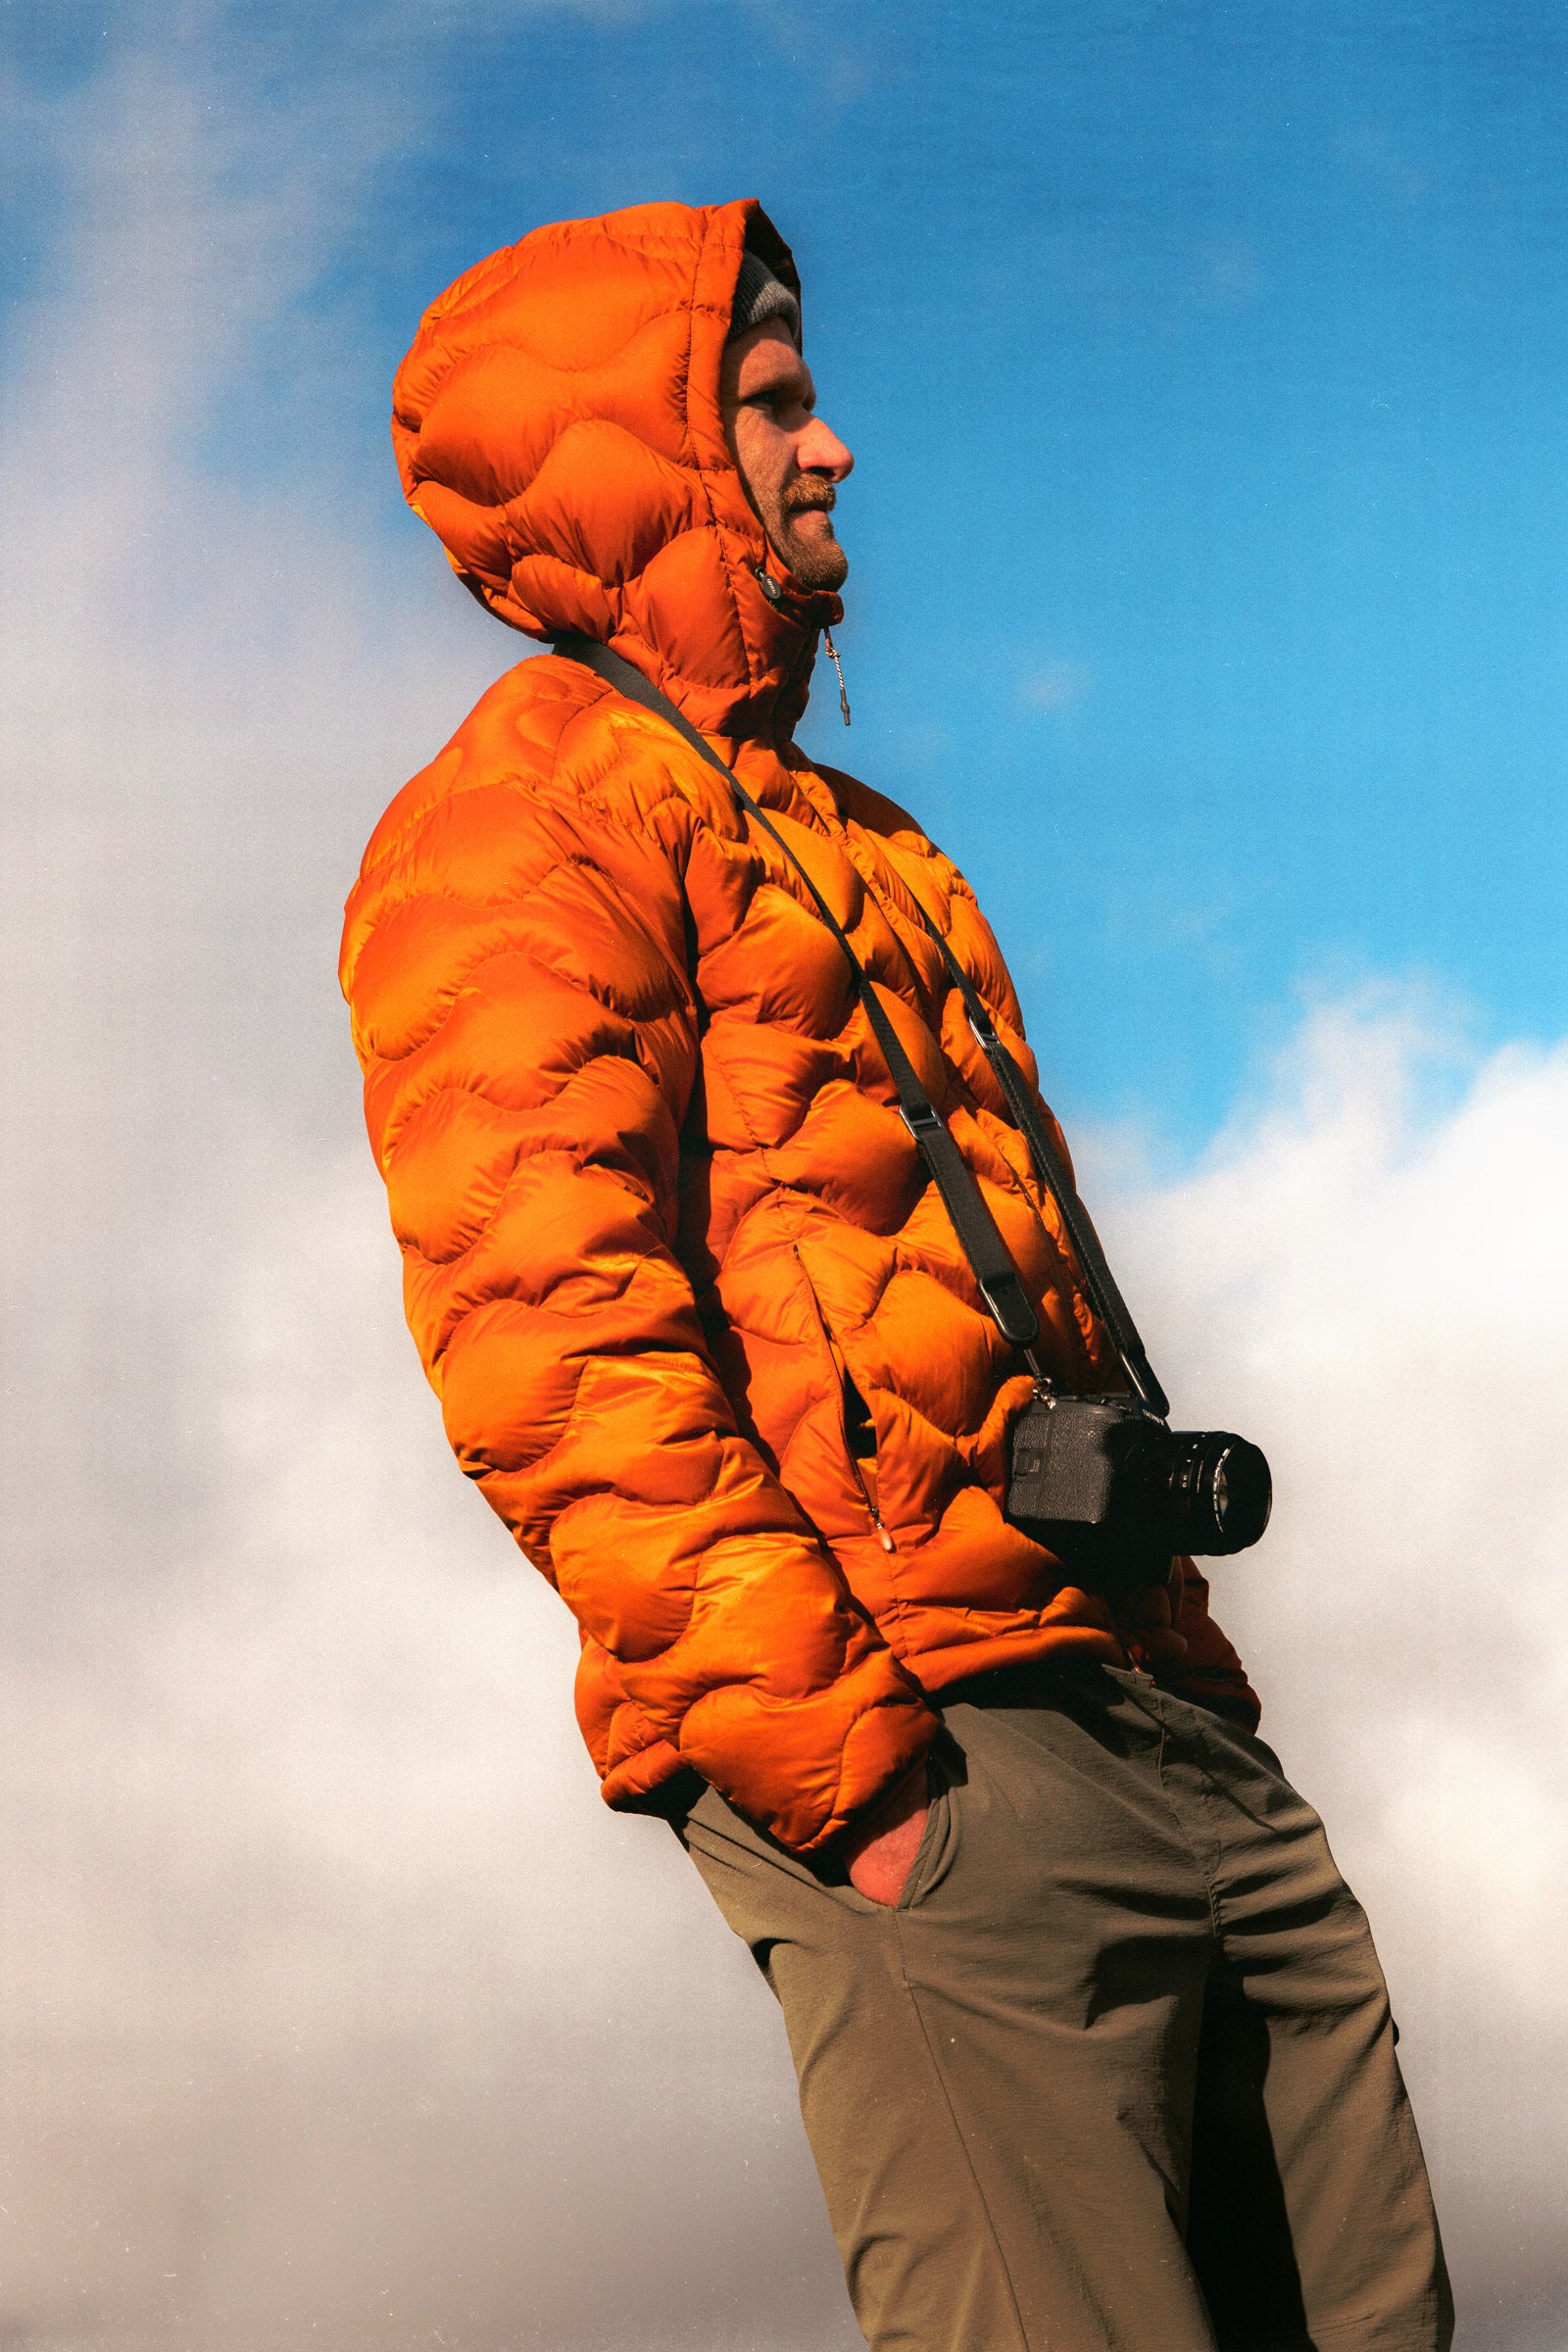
759, 295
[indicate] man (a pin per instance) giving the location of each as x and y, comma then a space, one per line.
1093, 2046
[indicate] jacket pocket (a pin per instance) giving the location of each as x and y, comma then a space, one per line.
857, 1426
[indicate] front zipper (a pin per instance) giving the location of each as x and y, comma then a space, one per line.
883, 1533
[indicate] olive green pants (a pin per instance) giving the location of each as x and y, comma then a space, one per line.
1118, 2069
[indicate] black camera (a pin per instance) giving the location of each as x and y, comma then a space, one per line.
1116, 1493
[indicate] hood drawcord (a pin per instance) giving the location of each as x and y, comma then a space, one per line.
833, 656
773, 592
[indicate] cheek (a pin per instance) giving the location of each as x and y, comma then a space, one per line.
763, 454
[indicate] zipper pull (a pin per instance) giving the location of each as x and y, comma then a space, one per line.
882, 1536
844, 700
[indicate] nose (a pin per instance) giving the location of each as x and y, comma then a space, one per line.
821, 451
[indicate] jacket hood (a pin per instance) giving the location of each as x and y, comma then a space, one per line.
557, 423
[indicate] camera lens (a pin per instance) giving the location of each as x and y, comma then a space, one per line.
1220, 1489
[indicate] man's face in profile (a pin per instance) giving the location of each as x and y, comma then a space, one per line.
788, 458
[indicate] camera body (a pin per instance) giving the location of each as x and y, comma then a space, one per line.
1116, 1494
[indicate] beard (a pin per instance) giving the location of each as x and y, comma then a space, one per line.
814, 558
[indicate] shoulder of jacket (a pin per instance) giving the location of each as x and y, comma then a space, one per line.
551, 767
899, 841
877, 813
551, 731
938, 885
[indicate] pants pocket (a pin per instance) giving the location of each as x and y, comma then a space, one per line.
946, 1772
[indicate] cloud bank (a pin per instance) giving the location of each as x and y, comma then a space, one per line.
333, 2007
1374, 1288
333, 2000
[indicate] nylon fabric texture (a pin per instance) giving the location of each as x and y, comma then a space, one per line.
665, 1233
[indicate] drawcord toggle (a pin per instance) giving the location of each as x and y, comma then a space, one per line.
833, 657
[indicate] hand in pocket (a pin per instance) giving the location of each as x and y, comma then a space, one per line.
879, 1849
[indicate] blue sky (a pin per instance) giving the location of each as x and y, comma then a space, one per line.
1204, 368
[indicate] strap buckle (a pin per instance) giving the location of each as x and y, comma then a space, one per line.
1010, 1310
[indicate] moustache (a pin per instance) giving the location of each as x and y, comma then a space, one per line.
809, 497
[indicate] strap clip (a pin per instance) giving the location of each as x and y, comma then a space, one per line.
1010, 1310
923, 1119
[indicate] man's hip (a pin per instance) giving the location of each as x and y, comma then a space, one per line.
1117, 2070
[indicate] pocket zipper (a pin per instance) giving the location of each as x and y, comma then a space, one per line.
883, 1533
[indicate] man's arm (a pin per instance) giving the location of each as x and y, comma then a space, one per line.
1207, 1670
529, 1055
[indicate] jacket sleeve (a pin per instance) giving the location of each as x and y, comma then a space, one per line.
529, 1035
1209, 1671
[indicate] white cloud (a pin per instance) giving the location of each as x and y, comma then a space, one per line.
326, 1980
314, 1907
1377, 1289
331, 1997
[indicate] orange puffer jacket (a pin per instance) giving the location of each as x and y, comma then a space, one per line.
667, 1240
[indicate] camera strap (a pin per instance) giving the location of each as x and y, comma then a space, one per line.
990, 1259
1105, 1294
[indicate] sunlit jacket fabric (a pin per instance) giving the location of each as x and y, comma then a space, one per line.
664, 1231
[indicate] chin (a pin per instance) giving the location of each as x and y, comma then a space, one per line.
819, 563
805, 542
